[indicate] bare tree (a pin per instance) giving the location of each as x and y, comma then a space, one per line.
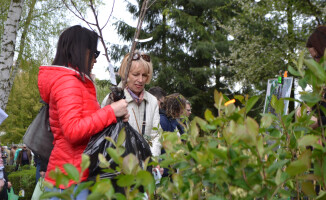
95, 26
73, 8
8, 49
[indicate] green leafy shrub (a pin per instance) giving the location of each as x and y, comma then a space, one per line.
9, 168
23, 179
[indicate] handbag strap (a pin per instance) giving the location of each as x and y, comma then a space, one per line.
144, 120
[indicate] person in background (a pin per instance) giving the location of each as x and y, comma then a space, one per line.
4, 183
188, 109
184, 119
316, 45
142, 106
41, 166
12, 154
159, 93
17, 152
75, 114
24, 157
4, 155
172, 108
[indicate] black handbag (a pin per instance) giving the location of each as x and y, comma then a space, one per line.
38, 137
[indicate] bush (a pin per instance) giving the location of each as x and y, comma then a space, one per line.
10, 168
23, 179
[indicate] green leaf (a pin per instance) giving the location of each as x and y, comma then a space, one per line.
299, 166
129, 163
308, 188
310, 97
278, 180
209, 115
293, 71
72, 172
120, 196
307, 140
121, 137
126, 180
85, 162
144, 178
113, 154
103, 162
316, 68
103, 186
267, 120
252, 127
111, 140
300, 63
276, 165
48, 195
322, 195
218, 99
251, 102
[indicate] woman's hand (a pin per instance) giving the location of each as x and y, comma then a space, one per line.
120, 109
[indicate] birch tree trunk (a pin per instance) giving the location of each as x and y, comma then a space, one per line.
8, 49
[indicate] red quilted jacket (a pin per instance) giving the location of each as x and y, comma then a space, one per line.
75, 115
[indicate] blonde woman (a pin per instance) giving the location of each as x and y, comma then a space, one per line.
142, 106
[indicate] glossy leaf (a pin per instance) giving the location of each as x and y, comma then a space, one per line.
72, 172
126, 180
316, 68
209, 115
299, 166
121, 137
85, 162
251, 102
308, 188
293, 71
307, 140
145, 178
113, 154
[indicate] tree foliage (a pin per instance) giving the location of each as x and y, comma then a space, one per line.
267, 37
23, 104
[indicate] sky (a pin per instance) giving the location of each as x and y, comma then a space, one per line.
109, 33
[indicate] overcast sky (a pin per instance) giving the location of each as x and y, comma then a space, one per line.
109, 33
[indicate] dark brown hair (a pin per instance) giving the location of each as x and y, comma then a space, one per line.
317, 40
72, 48
157, 91
173, 105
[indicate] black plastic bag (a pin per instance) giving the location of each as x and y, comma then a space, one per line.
134, 143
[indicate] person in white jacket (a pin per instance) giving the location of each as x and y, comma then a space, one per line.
142, 106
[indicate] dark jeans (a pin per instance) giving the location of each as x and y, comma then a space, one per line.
25, 162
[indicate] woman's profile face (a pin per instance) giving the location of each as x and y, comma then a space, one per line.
92, 62
314, 54
137, 78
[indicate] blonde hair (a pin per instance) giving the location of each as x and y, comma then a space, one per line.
141, 63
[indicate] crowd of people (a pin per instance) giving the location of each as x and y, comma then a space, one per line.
75, 114
16, 156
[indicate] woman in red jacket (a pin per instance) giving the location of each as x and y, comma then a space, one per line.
75, 114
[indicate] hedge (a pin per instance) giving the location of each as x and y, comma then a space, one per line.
23, 179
